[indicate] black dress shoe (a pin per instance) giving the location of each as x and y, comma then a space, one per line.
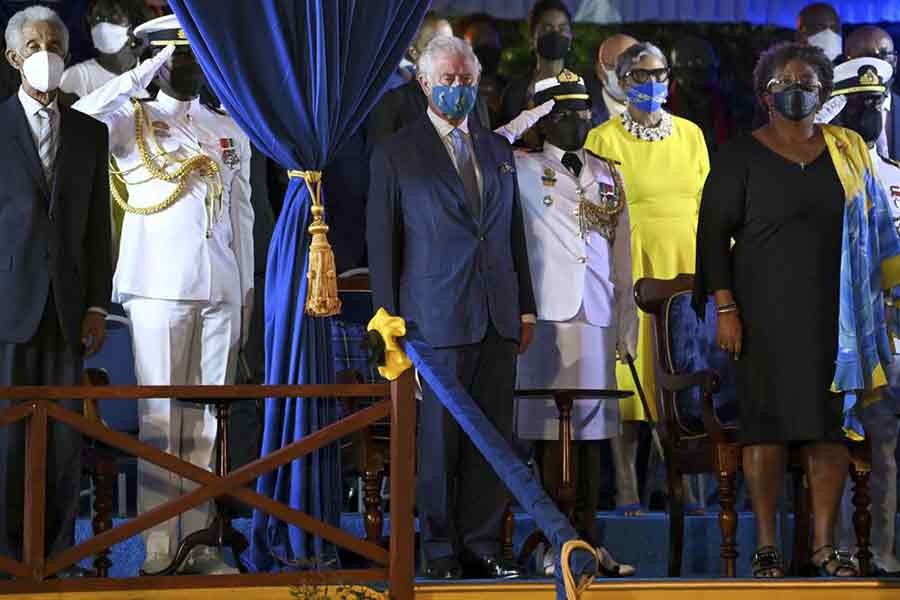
443, 569
492, 567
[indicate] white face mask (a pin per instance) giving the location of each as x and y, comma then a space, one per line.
43, 70
612, 85
830, 43
109, 38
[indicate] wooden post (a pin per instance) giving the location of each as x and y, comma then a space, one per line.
403, 487
35, 490
566, 493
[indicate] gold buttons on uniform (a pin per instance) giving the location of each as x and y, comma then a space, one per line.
582, 259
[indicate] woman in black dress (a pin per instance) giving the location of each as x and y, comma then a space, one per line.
777, 195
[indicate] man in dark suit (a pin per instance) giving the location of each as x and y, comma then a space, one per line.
55, 255
447, 252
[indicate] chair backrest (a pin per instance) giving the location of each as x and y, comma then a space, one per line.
686, 345
116, 359
348, 330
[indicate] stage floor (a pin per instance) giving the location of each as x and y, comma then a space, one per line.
740, 589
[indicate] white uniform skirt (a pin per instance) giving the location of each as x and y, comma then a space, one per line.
568, 355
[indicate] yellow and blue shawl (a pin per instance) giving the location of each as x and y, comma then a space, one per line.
870, 263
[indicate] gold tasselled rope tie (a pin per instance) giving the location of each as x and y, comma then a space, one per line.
202, 164
321, 290
575, 590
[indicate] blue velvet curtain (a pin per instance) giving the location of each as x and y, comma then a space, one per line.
299, 77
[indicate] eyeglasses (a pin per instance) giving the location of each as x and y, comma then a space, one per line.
779, 85
644, 75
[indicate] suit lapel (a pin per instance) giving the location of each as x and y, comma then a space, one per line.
443, 166
64, 154
486, 165
23, 137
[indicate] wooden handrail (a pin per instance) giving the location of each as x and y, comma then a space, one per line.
39, 407
192, 392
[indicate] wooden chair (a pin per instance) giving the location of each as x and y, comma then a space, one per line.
697, 423
99, 463
366, 453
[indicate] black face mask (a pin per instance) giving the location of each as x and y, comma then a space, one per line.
795, 103
185, 80
553, 45
569, 133
489, 57
867, 121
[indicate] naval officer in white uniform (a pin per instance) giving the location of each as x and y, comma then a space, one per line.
185, 268
861, 85
576, 223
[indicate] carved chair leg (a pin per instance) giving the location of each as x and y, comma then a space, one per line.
374, 519
676, 521
726, 466
104, 475
509, 525
862, 518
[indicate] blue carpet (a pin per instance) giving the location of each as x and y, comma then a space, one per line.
641, 541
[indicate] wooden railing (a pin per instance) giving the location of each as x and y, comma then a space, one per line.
393, 564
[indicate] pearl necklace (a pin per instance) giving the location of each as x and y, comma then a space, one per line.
648, 134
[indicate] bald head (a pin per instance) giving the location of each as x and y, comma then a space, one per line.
432, 26
871, 41
816, 18
609, 52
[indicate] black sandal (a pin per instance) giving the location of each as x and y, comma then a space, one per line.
834, 563
766, 560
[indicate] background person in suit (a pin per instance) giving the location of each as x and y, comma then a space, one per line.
55, 272
447, 251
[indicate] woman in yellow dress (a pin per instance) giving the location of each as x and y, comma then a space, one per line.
664, 162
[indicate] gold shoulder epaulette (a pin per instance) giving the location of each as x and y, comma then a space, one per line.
609, 160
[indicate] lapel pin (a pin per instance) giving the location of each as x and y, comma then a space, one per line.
506, 168
549, 177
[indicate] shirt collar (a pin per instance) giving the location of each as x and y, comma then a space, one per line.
170, 105
443, 127
556, 153
32, 106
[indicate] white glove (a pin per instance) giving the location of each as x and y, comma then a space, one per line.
524, 121
831, 109
143, 74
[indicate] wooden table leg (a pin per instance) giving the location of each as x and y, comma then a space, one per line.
566, 495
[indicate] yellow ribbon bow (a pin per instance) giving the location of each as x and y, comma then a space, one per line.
396, 362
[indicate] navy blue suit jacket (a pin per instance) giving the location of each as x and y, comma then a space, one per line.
893, 127
431, 260
60, 235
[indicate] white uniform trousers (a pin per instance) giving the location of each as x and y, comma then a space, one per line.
179, 343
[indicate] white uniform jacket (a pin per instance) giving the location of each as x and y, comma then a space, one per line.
571, 272
168, 255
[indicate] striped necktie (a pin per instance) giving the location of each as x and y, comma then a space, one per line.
46, 141
466, 169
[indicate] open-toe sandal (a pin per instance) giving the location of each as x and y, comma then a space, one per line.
766, 563
834, 563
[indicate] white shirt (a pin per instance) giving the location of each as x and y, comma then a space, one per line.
168, 255
444, 129
32, 108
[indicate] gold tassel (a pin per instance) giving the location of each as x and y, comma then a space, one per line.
321, 290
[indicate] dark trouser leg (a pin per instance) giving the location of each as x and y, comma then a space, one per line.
438, 456
482, 496
46, 360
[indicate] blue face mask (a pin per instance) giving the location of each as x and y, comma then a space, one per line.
454, 101
648, 97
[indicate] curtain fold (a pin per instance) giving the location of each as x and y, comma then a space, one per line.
299, 77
